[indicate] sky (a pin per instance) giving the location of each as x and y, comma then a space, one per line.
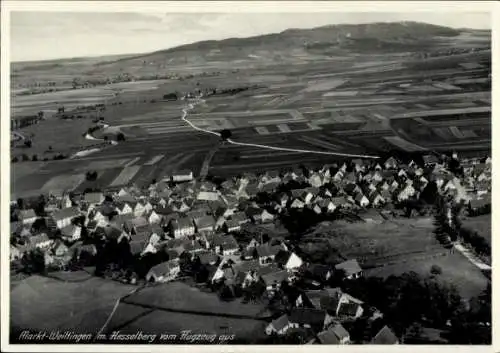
52, 35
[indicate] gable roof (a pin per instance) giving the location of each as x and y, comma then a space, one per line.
350, 267
68, 212
333, 335
313, 317
281, 322
29, 213
385, 336
164, 267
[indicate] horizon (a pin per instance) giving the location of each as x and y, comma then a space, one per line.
48, 36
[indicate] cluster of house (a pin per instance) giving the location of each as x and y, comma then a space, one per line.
325, 313
199, 215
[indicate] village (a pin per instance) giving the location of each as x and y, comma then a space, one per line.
213, 232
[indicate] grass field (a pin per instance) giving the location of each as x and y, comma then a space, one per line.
456, 269
179, 296
377, 244
46, 304
480, 224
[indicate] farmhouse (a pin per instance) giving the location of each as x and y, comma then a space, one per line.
267, 253
314, 319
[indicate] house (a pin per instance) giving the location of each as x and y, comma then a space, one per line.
93, 199
385, 336
182, 176
204, 224
376, 199
267, 253
64, 217
41, 241
336, 334
319, 271
27, 217
164, 272
391, 163
71, 232
278, 326
225, 245
59, 249
207, 196
231, 226
15, 253
351, 268
315, 180
240, 218
273, 280
291, 261
314, 319
123, 208
154, 218
326, 205
430, 160
297, 204
182, 227
361, 200
350, 310
340, 202
407, 192
207, 258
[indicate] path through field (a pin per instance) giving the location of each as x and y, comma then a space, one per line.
472, 258
199, 100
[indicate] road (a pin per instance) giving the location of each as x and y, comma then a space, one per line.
230, 141
472, 258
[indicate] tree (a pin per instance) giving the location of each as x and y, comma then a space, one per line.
34, 158
28, 143
436, 270
106, 138
225, 134
25, 157
15, 159
120, 137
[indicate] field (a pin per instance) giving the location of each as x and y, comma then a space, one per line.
46, 304
358, 101
456, 269
174, 307
480, 224
379, 244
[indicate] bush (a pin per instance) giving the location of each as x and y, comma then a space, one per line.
436, 270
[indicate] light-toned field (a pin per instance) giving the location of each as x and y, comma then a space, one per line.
105, 164
62, 183
125, 175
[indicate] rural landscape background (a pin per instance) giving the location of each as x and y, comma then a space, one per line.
362, 147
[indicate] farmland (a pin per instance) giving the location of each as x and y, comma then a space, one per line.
41, 303
354, 102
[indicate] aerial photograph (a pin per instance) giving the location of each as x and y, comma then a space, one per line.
250, 178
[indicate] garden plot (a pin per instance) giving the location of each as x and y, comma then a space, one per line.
106, 164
